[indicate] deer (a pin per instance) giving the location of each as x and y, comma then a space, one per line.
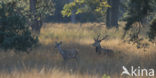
67, 54
99, 49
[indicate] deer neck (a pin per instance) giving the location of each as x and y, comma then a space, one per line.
98, 48
60, 50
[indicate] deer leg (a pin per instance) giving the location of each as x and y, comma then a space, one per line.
77, 59
98, 50
64, 62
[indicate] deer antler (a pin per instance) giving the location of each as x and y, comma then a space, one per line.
97, 38
106, 36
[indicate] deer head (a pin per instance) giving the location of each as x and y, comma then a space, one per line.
97, 40
58, 44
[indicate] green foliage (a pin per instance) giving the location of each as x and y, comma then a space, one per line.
105, 76
152, 33
83, 15
81, 6
21, 5
45, 8
137, 11
14, 32
57, 16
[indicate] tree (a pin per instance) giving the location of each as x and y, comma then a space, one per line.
14, 31
57, 16
113, 13
88, 16
137, 11
35, 11
83, 6
39, 9
152, 33
35, 23
73, 16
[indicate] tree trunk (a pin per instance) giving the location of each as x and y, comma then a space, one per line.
112, 14
115, 12
73, 16
36, 24
108, 19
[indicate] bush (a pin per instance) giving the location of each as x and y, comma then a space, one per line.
14, 32
152, 33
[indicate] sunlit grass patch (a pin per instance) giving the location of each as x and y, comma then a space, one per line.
72, 32
45, 61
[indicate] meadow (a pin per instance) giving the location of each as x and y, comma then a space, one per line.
45, 61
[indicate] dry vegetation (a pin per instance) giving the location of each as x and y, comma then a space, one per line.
45, 61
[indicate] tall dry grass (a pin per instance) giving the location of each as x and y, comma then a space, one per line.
45, 61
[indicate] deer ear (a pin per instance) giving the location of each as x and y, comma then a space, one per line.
95, 39
99, 40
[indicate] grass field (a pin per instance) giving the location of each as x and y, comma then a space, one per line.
45, 61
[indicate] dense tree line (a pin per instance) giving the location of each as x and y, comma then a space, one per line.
33, 13
14, 31
140, 11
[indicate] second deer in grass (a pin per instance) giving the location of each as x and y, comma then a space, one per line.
98, 47
67, 54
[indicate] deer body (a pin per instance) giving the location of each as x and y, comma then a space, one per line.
67, 54
99, 49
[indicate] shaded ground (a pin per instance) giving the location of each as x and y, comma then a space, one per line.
90, 62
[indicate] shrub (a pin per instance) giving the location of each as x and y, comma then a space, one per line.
152, 33
14, 32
